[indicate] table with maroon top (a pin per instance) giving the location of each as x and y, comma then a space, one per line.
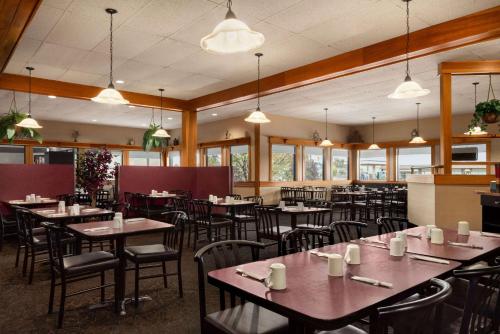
119, 235
51, 214
232, 207
423, 246
294, 212
26, 204
315, 300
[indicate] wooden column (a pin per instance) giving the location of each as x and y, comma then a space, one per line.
256, 139
445, 137
189, 138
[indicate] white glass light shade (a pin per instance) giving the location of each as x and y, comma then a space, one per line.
257, 117
29, 123
326, 142
476, 131
232, 36
408, 89
162, 133
418, 140
109, 96
374, 147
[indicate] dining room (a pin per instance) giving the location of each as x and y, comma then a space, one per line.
246, 166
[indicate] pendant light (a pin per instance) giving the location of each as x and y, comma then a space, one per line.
373, 146
408, 88
417, 139
326, 142
477, 130
110, 95
258, 116
231, 36
161, 132
29, 122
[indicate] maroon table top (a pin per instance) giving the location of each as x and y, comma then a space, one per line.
294, 210
330, 302
22, 202
85, 211
128, 228
424, 246
160, 195
235, 203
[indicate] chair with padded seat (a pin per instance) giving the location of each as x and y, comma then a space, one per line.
419, 316
348, 230
305, 238
205, 222
8, 227
318, 219
246, 317
268, 226
74, 268
157, 255
185, 205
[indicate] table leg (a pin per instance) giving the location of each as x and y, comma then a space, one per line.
293, 221
353, 210
232, 211
295, 327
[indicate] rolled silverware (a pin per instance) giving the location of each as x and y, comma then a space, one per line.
462, 244
372, 281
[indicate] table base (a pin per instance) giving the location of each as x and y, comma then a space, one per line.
132, 300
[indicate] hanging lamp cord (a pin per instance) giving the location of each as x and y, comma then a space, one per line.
418, 125
326, 123
111, 52
407, 38
152, 116
29, 95
475, 92
490, 88
373, 130
258, 82
161, 107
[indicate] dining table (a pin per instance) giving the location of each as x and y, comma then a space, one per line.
32, 204
52, 214
294, 212
232, 206
487, 244
314, 300
106, 230
353, 195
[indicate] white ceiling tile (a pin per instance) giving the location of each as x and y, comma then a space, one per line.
195, 81
42, 23
60, 4
25, 49
96, 63
81, 77
15, 67
166, 52
46, 71
57, 55
133, 70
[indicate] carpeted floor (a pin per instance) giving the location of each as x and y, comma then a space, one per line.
24, 307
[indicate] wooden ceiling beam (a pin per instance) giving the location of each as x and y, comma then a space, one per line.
470, 29
14, 18
84, 92
470, 67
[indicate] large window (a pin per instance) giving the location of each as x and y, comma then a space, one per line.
143, 158
413, 160
340, 164
54, 155
214, 156
174, 159
372, 164
465, 153
11, 154
282, 162
313, 163
240, 163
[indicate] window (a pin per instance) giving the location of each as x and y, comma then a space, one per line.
143, 158
340, 164
282, 162
174, 158
214, 157
117, 158
413, 160
198, 160
240, 163
11, 154
372, 164
54, 155
465, 153
313, 163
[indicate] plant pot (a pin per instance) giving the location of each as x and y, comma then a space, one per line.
490, 117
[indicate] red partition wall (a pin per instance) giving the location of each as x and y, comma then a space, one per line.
17, 181
201, 181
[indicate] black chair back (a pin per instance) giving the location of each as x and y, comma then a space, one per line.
348, 230
174, 237
303, 239
256, 199
235, 196
55, 246
268, 226
25, 224
69, 199
202, 212
102, 198
182, 193
392, 224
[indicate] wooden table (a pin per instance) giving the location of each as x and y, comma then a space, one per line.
51, 214
315, 300
232, 207
144, 226
423, 246
25, 204
294, 212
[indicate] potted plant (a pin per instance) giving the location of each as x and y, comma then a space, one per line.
9, 130
93, 171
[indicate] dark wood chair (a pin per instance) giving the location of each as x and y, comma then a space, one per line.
83, 199
399, 203
341, 203
318, 219
185, 205
157, 255
74, 268
103, 199
150, 207
304, 239
69, 199
288, 195
420, 316
246, 317
89, 244
268, 226
206, 223
8, 227
348, 230
392, 224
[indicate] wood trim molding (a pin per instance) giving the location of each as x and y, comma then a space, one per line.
466, 30
301, 142
451, 179
469, 67
445, 122
15, 15
226, 142
257, 160
189, 138
70, 144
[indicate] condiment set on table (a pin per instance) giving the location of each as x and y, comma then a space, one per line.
32, 198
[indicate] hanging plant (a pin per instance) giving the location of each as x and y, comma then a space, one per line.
9, 130
486, 112
148, 140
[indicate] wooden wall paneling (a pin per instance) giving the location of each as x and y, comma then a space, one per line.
256, 135
445, 122
189, 138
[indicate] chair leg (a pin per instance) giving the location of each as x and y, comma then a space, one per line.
136, 289
179, 277
117, 300
195, 237
18, 253
164, 268
61, 305
25, 260
32, 266
189, 234
103, 290
51, 295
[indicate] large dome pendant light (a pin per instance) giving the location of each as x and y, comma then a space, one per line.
258, 116
477, 130
110, 95
29, 122
408, 88
231, 36
417, 139
161, 132
373, 146
326, 142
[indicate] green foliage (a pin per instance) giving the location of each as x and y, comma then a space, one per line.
283, 166
149, 142
313, 170
240, 163
9, 131
483, 108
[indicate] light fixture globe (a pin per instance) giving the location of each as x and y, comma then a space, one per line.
418, 140
231, 36
326, 142
29, 123
162, 133
408, 89
374, 147
258, 117
110, 96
